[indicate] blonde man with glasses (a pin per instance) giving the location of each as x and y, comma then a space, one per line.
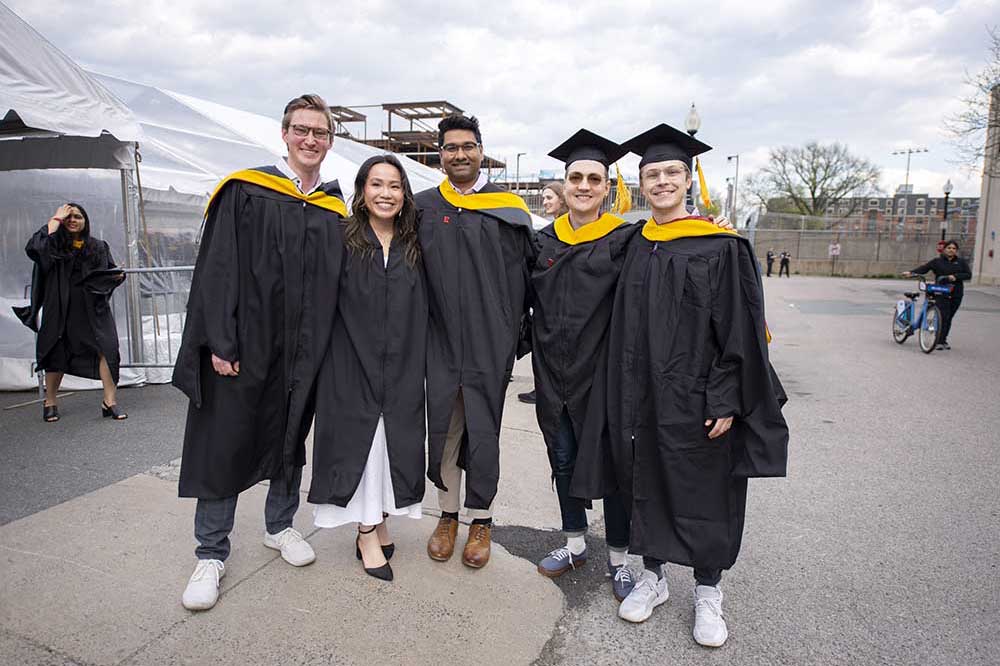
260, 316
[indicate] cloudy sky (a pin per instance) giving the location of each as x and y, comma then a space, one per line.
875, 75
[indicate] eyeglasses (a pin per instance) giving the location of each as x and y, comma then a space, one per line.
453, 148
302, 131
672, 173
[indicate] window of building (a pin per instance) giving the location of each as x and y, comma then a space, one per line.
920, 210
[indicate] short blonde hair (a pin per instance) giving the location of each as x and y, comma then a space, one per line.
308, 101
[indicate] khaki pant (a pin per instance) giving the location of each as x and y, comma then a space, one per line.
451, 473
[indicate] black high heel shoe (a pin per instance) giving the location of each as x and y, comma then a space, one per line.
50, 414
383, 572
111, 412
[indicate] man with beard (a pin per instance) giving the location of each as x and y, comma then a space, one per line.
476, 241
260, 315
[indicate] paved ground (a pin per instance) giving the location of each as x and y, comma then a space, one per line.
880, 547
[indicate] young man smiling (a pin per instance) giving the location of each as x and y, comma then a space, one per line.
260, 315
476, 242
579, 257
693, 404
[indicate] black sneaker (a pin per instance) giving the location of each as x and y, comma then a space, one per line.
528, 397
944, 345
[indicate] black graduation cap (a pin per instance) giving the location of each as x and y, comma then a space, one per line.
585, 145
663, 143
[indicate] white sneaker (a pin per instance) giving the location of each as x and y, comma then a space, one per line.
202, 590
709, 626
649, 592
294, 549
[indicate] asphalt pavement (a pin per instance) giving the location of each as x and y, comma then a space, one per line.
880, 547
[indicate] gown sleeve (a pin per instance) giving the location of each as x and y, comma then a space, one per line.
40, 249
742, 382
732, 328
215, 284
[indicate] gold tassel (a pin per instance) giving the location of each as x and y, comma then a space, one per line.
623, 197
702, 187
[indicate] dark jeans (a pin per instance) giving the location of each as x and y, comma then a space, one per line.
708, 577
948, 307
562, 457
213, 518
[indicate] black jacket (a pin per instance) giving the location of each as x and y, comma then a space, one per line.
942, 266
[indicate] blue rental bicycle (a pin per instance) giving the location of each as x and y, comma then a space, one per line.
925, 320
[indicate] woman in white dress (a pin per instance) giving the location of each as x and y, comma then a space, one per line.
368, 449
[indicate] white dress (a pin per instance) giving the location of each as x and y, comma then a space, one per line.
374, 495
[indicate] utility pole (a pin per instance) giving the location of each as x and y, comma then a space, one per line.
908, 152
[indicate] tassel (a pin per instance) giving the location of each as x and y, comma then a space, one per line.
623, 197
702, 187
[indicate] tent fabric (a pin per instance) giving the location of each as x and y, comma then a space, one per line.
48, 91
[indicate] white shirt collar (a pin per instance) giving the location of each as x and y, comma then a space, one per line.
283, 167
478, 185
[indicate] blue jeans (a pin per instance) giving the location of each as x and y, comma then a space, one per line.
562, 457
213, 518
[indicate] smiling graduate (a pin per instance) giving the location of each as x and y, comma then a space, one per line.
693, 404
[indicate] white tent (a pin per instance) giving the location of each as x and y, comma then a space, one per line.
55, 117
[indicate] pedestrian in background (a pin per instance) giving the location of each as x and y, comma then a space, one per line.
785, 264
71, 283
955, 270
770, 261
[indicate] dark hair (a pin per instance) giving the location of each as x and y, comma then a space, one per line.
64, 240
557, 189
406, 221
952, 242
308, 101
457, 121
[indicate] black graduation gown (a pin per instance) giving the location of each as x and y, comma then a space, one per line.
374, 366
73, 292
574, 288
688, 343
264, 292
476, 262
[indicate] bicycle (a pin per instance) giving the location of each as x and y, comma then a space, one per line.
925, 321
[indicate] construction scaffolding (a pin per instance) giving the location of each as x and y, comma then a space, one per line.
410, 129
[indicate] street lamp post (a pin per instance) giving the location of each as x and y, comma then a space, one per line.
692, 124
944, 219
517, 173
736, 183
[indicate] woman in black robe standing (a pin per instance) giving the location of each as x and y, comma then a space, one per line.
72, 282
368, 449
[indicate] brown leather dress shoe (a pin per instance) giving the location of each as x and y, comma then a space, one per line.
442, 542
477, 548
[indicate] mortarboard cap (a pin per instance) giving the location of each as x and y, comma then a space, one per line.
585, 145
663, 143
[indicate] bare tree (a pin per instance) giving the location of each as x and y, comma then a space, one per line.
968, 128
807, 180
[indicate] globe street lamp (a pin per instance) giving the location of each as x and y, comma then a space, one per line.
692, 124
944, 219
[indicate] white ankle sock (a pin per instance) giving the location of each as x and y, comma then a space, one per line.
617, 557
576, 544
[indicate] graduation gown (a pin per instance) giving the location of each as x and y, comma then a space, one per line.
574, 281
688, 343
476, 250
264, 293
73, 291
374, 366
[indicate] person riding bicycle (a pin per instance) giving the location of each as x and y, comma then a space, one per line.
955, 270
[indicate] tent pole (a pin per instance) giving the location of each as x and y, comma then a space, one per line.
132, 261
